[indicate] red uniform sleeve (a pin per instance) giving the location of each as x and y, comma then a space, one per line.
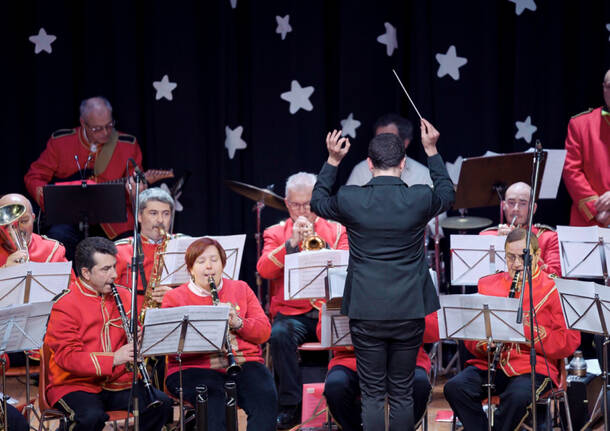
256, 328
549, 245
574, 177
271, 263
431, 332
41, 171
343, 243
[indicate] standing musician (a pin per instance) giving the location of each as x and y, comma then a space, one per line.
88, 347
342, 391
294, 321
515, 206
96, 149
248, 328
554, 341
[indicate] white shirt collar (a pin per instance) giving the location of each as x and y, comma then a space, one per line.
200, 291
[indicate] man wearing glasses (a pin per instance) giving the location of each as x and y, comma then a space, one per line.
294, 321
95, 150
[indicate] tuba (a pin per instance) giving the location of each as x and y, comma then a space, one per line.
12, 237
155, 275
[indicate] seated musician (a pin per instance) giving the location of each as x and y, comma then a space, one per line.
89, 348
93, 150
15, 420
342, 390
515, 207
512, 382
248, 328
294, 322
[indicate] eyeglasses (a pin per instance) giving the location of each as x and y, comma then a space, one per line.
108, 127
296, 206
512, 257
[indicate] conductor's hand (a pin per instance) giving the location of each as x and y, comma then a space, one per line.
123, 355
336, 149
16, 258
429, 136
159, 292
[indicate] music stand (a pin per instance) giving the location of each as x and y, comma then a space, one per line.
481, 317
178, 330
23, 328
475, 256
334, 328
48, 279
586, 308
305, 272
85, 204
584, 251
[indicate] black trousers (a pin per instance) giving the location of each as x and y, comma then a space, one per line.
386, 353
87, 411
16, 421
342, 393
465, 392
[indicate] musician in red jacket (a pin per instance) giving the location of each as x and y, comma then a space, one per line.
248, 328
465, 391
89, 349
94, 150
342, 390
585, 172
294, 321
515, 206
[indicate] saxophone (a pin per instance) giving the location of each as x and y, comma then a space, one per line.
155, 275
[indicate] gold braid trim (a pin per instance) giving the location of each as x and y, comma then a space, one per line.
584, 209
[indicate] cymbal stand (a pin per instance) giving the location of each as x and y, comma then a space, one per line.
258, 207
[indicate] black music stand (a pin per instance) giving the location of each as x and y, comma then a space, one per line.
85, 204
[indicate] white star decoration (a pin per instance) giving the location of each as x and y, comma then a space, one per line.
525, 129
298, 97
177, 205
450, 63
233, 4
521, 5
164, 88
349, 126
283, 26
453, 169
233, 140
42, 41
389, 38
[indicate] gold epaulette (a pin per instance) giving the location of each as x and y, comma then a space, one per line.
63, 132
490, 228
127, 138
124, 241
51, 239
60, 295
543, 227
588, 111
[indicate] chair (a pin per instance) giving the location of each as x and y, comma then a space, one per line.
47, 413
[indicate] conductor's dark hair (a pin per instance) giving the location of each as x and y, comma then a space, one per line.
386, 151
83, 256
404, 126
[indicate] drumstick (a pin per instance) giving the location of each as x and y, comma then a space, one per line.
405, 90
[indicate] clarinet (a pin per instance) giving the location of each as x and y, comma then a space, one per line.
233, 369
149, 395
500, 346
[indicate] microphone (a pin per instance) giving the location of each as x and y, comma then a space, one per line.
137, 171
88, 160
80, 171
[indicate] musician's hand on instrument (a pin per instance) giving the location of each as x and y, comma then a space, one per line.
299, 230
504, 229
235, 322
603, 218
336, 149
159, 292
123, 355
429, 137
16, 258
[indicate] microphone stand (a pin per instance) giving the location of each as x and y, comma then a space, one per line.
527, 274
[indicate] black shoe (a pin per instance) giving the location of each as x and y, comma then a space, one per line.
288, 417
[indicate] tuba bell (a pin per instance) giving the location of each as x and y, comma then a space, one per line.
13, 238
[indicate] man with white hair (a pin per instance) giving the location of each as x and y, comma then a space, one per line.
94, 150
294, 321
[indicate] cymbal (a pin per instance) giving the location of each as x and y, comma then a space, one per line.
257, 194
465, 222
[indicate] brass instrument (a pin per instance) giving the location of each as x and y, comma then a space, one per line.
12, 237
149, 395
313, 242
155, 275
233, 369
500, 346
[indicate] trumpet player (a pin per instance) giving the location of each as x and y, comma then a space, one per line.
248, 328
88, 346
294, 322
465, 391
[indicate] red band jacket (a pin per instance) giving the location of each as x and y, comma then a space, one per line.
57, 162
40, 249
83, 331
586, 171
271, 263
245, 342
558, 341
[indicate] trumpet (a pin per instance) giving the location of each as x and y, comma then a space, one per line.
233, 368
149, 395
311, 241
13, 238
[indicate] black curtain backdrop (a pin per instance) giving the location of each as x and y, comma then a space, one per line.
231, 66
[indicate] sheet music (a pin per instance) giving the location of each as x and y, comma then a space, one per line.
472, 257
461, 317
47, 279
551, 176
22, 327
174, 271
579, 250
578, 304
304, 272
335, 328
336, 282
205, 333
